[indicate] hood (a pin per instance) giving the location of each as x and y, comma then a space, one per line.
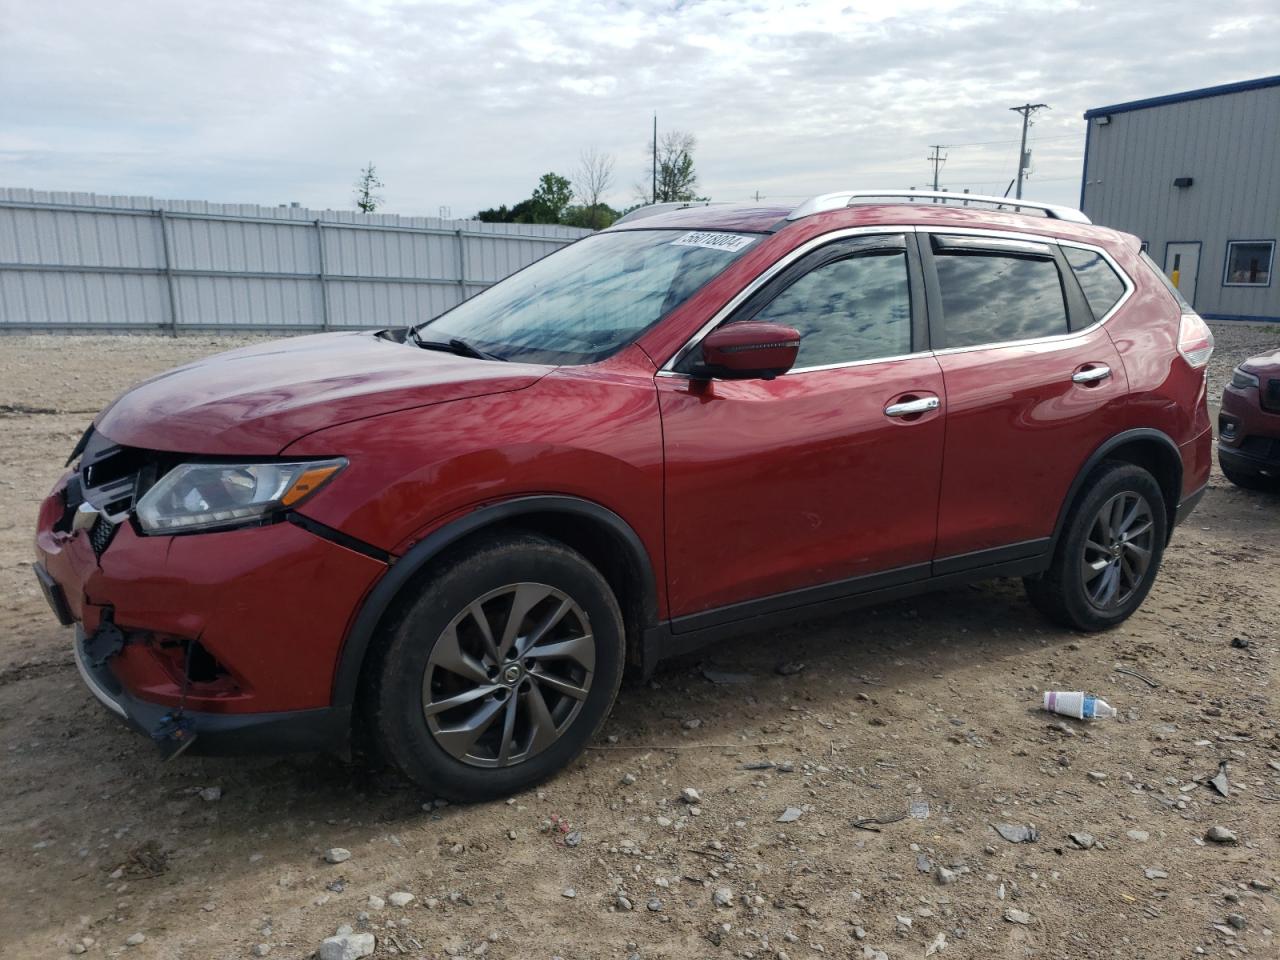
259, 399
1267, 363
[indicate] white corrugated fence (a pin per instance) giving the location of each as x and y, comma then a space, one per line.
85, 262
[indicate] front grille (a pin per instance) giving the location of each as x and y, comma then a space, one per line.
1271, 395
107, 477
100, 535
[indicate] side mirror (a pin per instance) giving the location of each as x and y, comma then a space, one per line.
749, 350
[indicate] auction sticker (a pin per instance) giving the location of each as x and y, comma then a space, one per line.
730, 242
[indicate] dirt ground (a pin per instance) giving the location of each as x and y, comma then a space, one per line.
933, 700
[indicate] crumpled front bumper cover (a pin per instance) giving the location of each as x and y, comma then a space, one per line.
325, 729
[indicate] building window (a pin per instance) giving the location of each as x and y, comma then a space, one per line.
1249, 263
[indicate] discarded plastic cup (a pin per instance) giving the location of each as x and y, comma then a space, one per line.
1076, 703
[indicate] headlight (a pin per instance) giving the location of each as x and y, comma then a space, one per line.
1242, 379
205, 496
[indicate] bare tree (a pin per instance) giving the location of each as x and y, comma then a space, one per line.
677, 179
592, 181
367, 200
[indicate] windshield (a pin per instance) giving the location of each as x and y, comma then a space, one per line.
586, 301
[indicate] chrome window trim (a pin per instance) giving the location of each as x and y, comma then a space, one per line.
773, 270
1129, 289
1129, 286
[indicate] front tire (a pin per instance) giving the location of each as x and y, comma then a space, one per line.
500, 671
1109, 552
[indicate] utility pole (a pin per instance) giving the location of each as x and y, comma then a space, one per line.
1027, 109
938, 159
653, 197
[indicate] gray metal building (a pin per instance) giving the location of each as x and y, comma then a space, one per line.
1196, 175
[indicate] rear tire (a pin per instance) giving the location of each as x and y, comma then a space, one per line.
1109, 551
471, 704
1247, 479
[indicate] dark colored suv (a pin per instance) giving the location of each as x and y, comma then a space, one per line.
1249, 424
454, 537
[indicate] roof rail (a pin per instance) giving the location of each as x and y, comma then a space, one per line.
653, 209
846, 198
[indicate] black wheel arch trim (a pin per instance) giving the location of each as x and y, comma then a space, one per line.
1101, 453
375, 605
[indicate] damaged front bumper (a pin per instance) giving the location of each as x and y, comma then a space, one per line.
290, 731
232, 635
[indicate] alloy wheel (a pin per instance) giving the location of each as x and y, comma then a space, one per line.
1117, 550
508, 675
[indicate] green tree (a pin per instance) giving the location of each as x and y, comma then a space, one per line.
367, 199
595, 217
550, 198
500, 214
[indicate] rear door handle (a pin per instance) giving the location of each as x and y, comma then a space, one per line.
1092, 375
906, 409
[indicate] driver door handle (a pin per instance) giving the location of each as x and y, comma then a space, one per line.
1092, 375
907, 408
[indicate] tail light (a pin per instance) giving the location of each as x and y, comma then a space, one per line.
1195, 340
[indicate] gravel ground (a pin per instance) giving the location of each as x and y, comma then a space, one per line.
922, 714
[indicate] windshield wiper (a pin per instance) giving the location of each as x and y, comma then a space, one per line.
456, 346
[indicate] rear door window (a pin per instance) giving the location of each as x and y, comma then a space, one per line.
1101, 285
992, 296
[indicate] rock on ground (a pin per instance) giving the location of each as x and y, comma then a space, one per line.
347, 946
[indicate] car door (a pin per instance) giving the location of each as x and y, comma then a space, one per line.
1033, 384
824, 480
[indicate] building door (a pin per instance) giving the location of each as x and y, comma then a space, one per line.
1182, 265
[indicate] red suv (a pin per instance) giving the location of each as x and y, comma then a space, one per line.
1249, 424
453, 538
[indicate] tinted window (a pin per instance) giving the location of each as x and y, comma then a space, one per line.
991, 298
858, 308
1102, 286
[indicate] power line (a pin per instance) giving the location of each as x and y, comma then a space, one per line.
983, 143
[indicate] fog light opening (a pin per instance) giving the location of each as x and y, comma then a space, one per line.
201, 665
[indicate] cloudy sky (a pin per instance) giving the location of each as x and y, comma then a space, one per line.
463, 104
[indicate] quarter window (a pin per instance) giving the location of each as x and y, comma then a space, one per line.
858, 308
1249, 263
1102, 286
994, 298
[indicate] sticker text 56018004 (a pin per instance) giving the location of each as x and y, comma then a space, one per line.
728, 242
